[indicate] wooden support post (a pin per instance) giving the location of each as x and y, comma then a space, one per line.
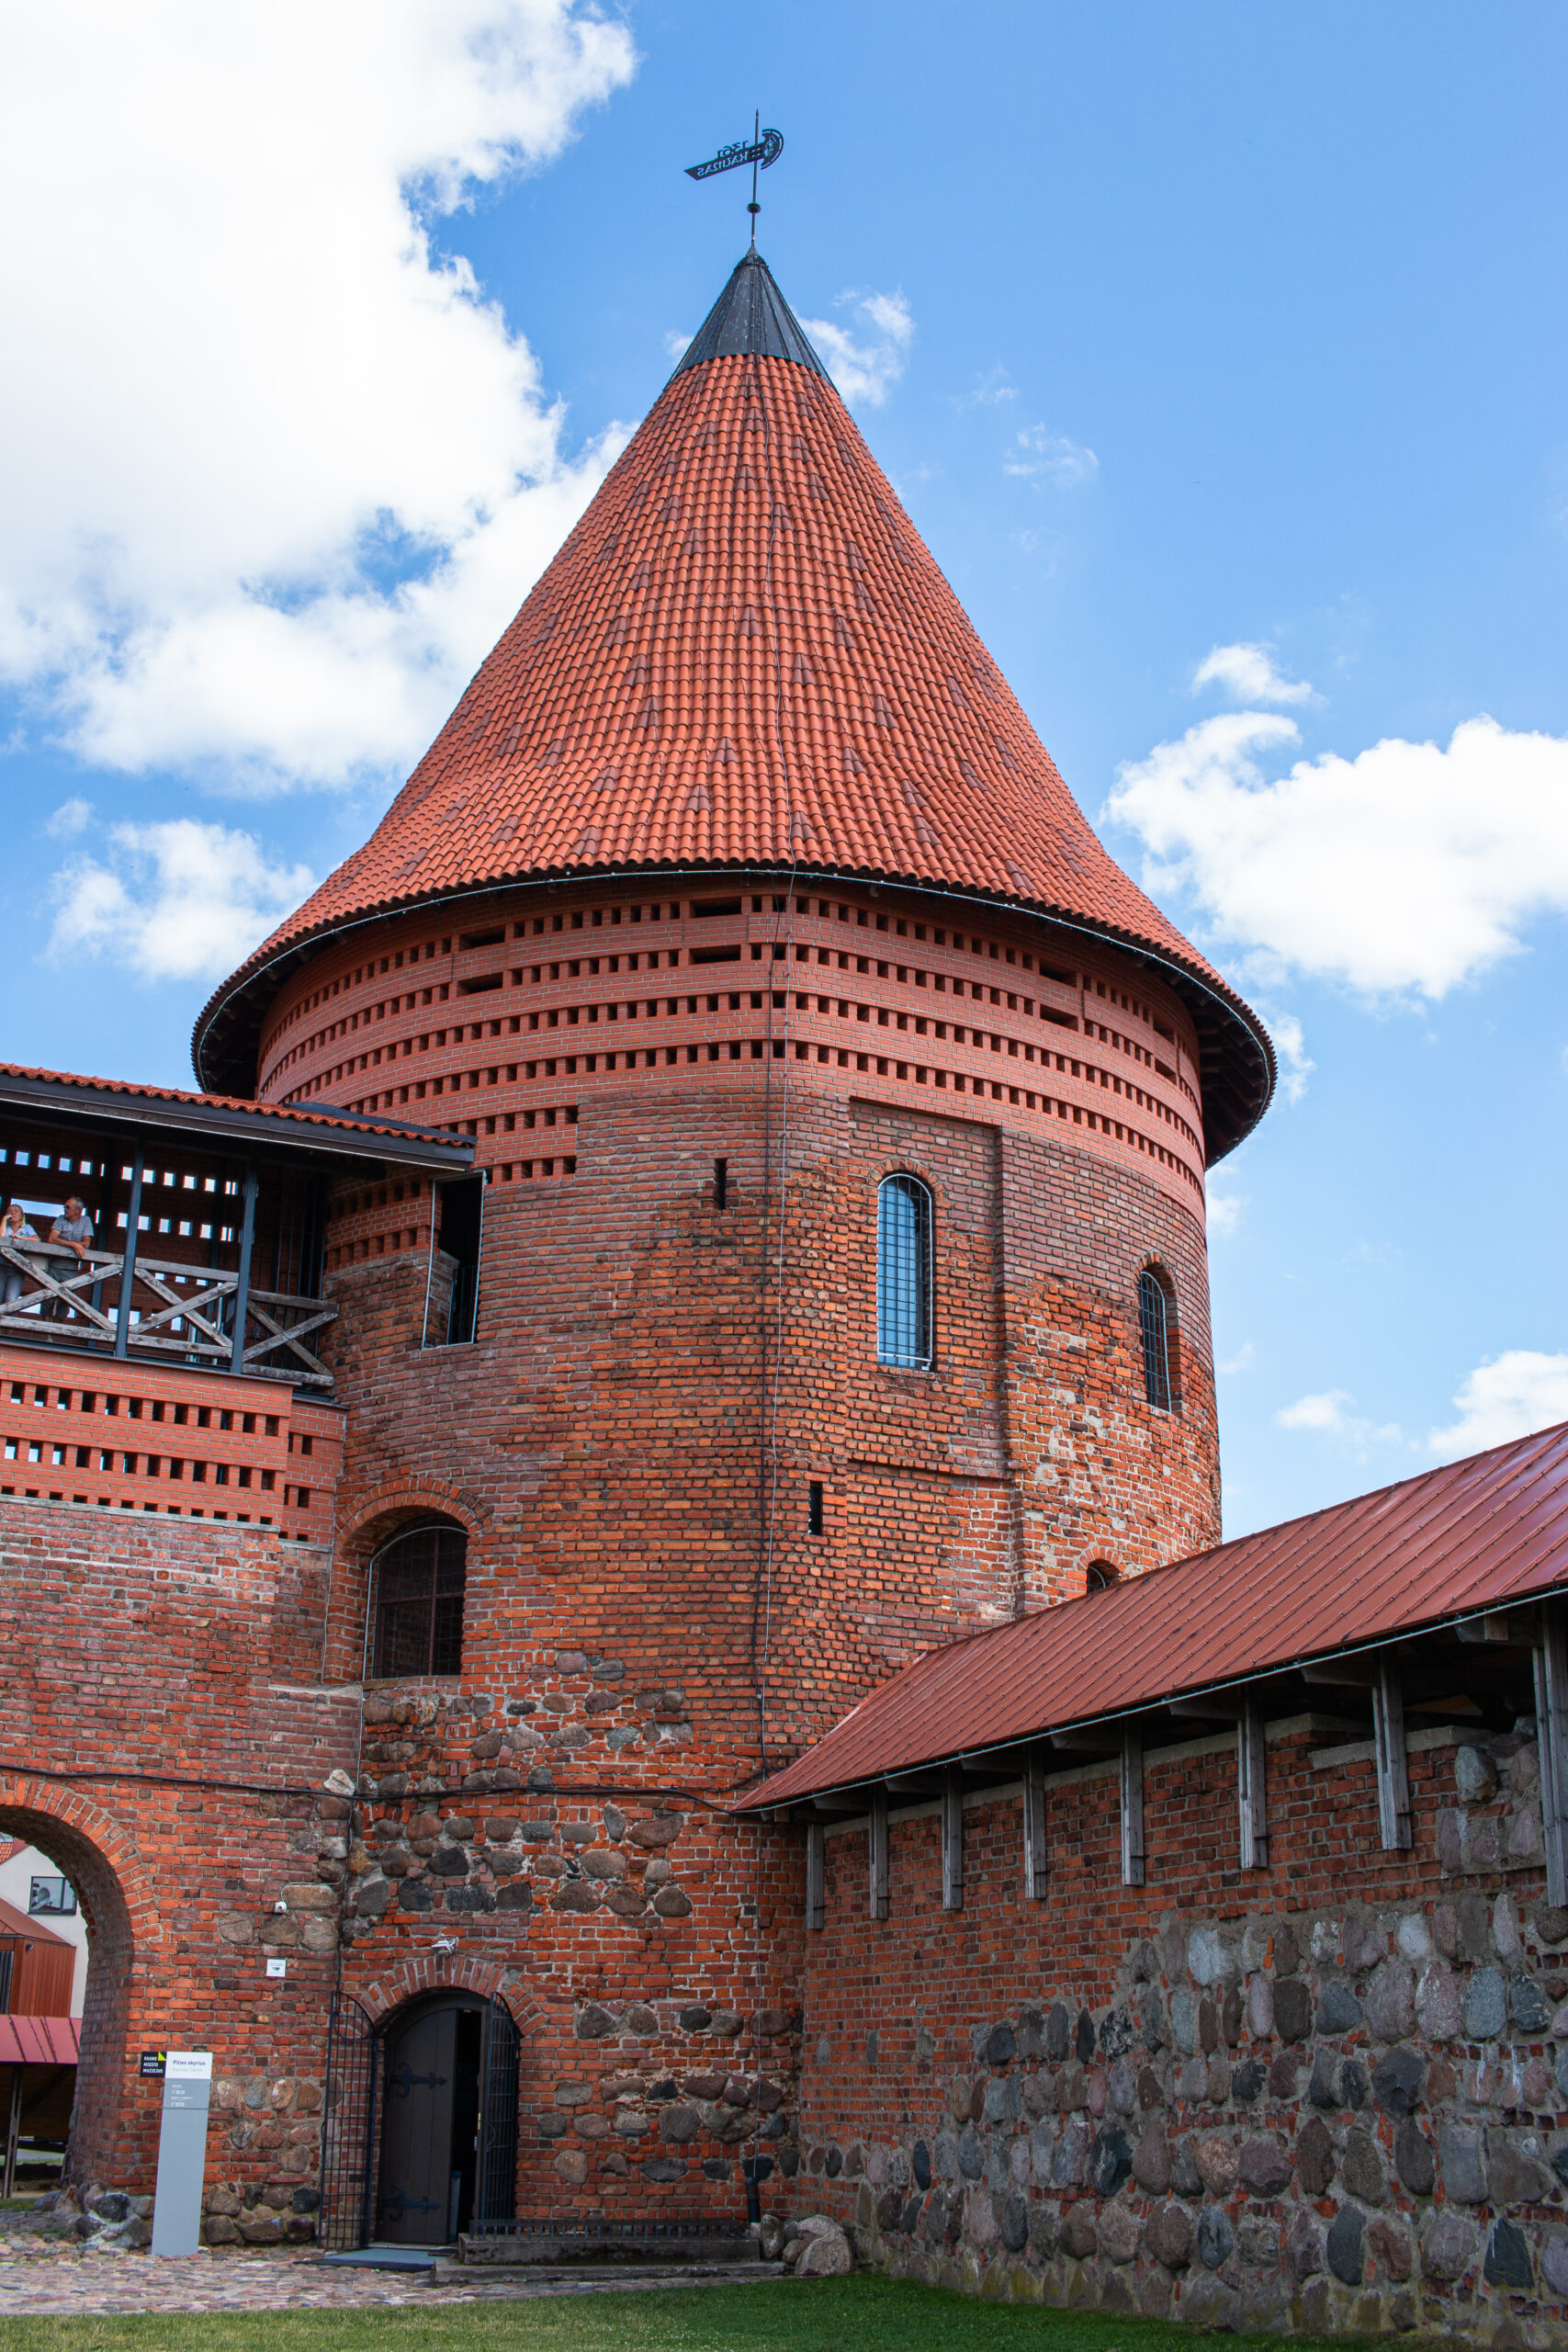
1251, 1792
952, 1842
1035, 1862
1552, 1730
13, 2133
876, 1849
243, 1288
1393, 1776
816, 1874
1132, 1805
127, 1263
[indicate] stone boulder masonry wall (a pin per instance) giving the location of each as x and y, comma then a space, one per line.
1330, 2095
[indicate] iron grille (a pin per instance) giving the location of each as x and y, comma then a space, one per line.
1153, 1323
348, 2125
495, 2194
419, 1579
903, 1273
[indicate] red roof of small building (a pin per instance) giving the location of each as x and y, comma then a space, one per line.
19, 1923
745, 656
1471, 1537
40, 2042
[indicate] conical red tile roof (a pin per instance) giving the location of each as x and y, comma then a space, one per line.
745, 656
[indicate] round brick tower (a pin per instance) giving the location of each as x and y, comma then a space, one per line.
737, 885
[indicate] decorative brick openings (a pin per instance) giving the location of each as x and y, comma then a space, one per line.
126, 1436
1066, 1034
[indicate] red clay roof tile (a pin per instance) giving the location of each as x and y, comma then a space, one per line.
744, 655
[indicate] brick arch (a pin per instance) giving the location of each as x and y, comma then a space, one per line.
411, 1979
119, 1904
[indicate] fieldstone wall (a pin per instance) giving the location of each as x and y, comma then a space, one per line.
1347, 2112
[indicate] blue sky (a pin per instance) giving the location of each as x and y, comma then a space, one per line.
1195, 338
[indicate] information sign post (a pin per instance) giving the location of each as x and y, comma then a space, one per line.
182, 2151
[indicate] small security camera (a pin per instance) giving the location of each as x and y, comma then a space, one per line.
444, 1943
280, 1905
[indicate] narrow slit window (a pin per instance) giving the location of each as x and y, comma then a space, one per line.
1153, 1326
721, 1183
420, 1579
814, 1507
904, 1273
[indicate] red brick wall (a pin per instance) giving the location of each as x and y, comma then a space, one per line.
148, 1655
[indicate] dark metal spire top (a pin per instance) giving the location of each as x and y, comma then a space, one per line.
750, 316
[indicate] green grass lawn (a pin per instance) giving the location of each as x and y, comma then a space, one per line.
825, 2315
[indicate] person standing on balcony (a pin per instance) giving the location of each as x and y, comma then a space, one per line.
13, 1227
72, 1231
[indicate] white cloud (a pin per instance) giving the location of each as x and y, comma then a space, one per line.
177, 900
675, 343
1506, 1396
1232, 1366
989, 390
1248, 674
1296, 1065
1224, 1211
71, 817
1406, 870
1325, 1415
865, 366
1038, 455
275, 472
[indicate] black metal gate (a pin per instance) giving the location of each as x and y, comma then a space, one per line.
496, 2195
348, 2128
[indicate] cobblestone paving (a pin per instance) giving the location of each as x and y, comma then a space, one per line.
78, 2282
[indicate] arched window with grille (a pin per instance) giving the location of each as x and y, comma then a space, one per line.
1154, 1327
1100, 1576
904, 1273
418, 1581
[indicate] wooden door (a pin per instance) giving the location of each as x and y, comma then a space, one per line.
414, 2193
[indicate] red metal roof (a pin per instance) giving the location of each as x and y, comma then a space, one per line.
289, 1118
744, 655
1473, 1536
39, 2041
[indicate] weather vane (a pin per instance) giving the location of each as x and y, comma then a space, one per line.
765, 149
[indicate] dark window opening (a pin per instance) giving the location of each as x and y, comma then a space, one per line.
1153, 1317
1098, 1576
419, 1579
460, 1237
904, 1273
715, 954
814, 1507
482, 938
481, 987
715, 906
721, 1183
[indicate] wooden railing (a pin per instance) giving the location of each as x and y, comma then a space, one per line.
170, 1310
